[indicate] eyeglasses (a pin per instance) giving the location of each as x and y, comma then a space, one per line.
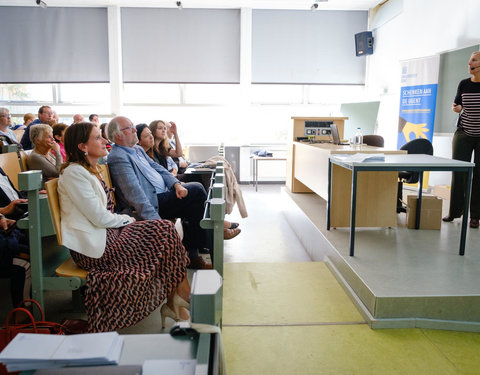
131, 127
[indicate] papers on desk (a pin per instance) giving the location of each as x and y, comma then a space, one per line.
169, 367
29, 351
361, 157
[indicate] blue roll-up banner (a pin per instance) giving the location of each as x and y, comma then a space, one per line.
418, 96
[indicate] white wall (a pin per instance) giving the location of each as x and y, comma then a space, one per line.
423, 28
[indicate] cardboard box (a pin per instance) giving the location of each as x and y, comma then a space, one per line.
431, 215
442, 191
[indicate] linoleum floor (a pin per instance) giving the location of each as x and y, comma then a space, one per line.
283, 317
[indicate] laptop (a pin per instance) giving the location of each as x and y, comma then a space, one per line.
335, 136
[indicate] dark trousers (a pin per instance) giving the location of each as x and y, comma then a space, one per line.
190, 210
18, 271
463, 146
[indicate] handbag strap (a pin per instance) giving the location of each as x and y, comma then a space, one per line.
15, 311
23, 303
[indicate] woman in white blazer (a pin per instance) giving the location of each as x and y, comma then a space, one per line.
132, 265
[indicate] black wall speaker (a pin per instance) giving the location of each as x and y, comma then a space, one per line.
364, 43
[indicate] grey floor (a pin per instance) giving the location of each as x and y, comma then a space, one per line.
266, 235
400, 261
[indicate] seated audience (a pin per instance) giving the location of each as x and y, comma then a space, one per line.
27, 119
146, 141
132, 265
14, 254
45, 116
159, 130
172, 139
77, 118
93, 118
54, 119
104, 135
7, 134
14, 260
13, 203
58, 134
41, 157
151, 191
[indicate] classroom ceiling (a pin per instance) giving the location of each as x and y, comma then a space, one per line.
256, 4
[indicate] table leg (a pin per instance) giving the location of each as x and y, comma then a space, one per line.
353, 211
463, 234
256, 174
419, 201
329, 192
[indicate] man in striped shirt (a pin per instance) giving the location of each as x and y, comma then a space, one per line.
466, 141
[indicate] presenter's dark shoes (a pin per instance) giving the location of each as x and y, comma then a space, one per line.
228, 234
473, 223
448, 219
199, 263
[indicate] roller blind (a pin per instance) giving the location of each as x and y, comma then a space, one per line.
304, 47
53, 45
182, 46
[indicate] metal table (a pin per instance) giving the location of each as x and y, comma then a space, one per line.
256, 159
413, 162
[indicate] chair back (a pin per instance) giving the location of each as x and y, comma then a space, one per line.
23, 160
11, 166
54, 203
19, 134
373, 140
418, 146
105, 172
415, 146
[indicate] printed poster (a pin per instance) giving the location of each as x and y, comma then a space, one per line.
418, 96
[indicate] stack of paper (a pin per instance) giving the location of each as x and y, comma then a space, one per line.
29, 351
361, 157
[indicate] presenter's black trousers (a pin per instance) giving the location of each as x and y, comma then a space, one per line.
463, 145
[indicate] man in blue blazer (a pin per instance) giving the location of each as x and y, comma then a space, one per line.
148, 191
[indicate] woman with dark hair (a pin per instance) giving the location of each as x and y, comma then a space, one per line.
147, 142
104, 135
132, 265
58, 134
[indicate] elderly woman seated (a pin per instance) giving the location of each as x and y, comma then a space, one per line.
46, 152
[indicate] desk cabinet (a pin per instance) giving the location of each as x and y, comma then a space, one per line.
309, 168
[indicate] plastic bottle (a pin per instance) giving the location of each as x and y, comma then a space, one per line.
358, 137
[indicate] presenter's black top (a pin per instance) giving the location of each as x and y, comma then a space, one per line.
468, 96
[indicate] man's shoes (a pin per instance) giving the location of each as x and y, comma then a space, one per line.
448, 218
473, 223
228, 234
199, 263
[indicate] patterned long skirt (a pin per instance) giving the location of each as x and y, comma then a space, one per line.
142, 264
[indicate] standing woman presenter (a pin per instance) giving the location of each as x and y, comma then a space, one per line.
465, 141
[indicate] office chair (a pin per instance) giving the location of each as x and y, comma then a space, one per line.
373, 140
416, 146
